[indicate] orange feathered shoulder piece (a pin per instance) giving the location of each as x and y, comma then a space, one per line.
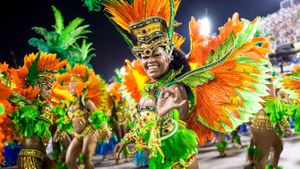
134, 79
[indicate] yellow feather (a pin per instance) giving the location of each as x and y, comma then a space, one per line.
64, 93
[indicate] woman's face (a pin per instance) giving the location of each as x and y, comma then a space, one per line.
45, 91
157, 64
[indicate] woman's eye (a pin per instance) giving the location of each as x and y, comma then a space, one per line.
145, 57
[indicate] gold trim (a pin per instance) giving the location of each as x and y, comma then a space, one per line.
32, 153
88, 130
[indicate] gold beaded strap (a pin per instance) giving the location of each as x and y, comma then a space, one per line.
169, 129
88, 130
46, 115
184, 164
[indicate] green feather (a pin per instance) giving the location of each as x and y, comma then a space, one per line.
73, 32
130, 1
93, 5
39, 30
25, 119
294, 113
61, 114
118, 76
247, 34
276, 109
42, 129
190, 76
251, 151
40, 44
61, 165
222, 50
2, 109
32, 76
196, 79
62, 40
59, 20
171, 23
82, 54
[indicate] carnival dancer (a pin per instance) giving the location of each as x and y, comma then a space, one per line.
87, 114
33, 117
179, 107
69, 43
267, 129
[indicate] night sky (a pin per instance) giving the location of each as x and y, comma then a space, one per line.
18, 16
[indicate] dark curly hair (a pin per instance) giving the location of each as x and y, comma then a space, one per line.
180, 62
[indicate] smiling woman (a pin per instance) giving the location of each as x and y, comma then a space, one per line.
180, 107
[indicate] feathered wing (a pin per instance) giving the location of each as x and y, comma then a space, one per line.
291, 85
292, 81
5, 110
228, 77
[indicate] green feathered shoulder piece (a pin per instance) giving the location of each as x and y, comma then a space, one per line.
24, 120
99, 119
28, 121
276, 109
63, 122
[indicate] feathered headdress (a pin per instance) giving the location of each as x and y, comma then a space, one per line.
42, 67
37, 69
86, 83
150, 23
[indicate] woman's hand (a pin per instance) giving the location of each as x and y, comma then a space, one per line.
170, 98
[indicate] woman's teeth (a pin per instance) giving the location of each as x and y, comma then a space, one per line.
152, 67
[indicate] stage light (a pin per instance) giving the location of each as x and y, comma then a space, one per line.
205, 26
